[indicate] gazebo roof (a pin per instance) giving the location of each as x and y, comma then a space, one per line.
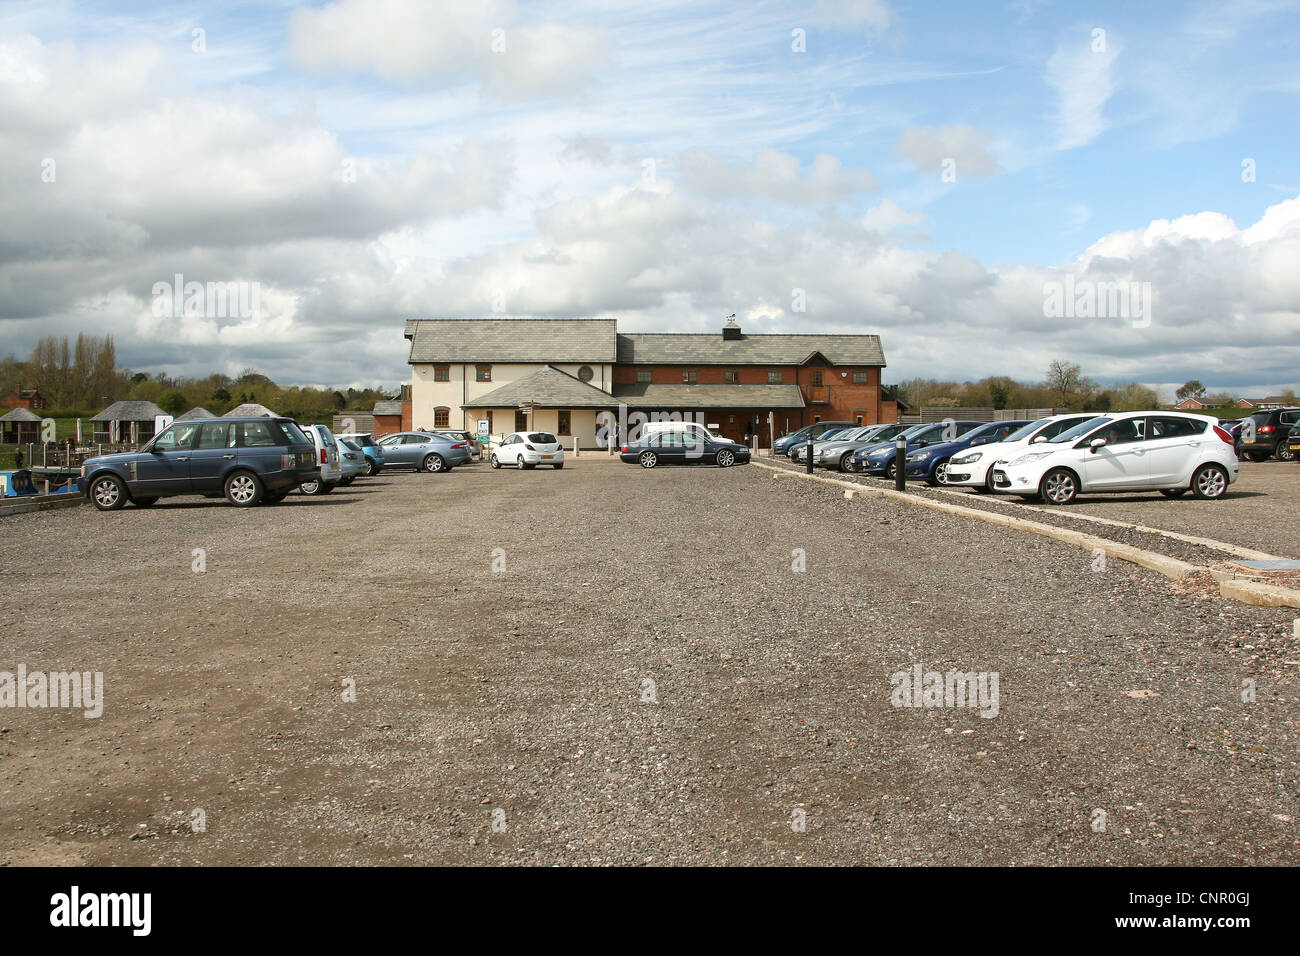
250, 410
20, 415
129, 411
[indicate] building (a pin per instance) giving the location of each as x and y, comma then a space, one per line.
19, 426
198, 411
1191, 405
25, 398
559, 375
126, 421
250, 410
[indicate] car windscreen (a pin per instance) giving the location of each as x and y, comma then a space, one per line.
295, 434
1022, 433
1079, 430
542, 438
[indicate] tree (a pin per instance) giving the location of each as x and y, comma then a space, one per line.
1192, 389
1066, 383
173, 401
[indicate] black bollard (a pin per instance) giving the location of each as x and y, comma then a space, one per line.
810, 443
900, 464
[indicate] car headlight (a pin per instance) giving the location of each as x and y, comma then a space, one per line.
968, 459
1032, 456
918, 456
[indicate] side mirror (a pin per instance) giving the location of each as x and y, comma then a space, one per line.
1095, 444
156, 449
1037, 438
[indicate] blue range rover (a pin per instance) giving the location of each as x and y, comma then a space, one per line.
248, 460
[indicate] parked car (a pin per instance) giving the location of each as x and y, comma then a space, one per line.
930, 463
878, 459
1262, 434
840, 454
327, 454
683, 447
799, 452
1293, 442
424, 451
695, 429
974, 467
469, 438
1170, 452
783, 444
371, 449
352, 461
528, 450
249, 460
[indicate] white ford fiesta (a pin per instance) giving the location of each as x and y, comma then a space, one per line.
973, 468
1169, 452
528, 450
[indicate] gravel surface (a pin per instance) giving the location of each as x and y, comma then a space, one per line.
519, 697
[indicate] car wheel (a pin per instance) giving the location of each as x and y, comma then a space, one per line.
1210, 482
369, 470
1059, 486
1173, 492
940, 474
434, 464
649, 459
144, 502
891, 471
310, 487
559, 466
520, 463
244, 489
107, 493
1284, 453
493, 461
846, 461
726, 458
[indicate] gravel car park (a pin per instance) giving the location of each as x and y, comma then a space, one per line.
605, 726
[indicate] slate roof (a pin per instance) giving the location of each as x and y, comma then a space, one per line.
250, 410
503, 340
669, 397
198, 411
129, 411
392, 407
708, 348
20, 415
546, 388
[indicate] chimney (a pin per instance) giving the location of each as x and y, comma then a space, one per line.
731, 331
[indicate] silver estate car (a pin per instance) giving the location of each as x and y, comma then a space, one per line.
423, 451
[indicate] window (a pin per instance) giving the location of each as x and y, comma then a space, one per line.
1123, 432
442, 373
859, 378
817, 377
521, 420
217, 435
483, 373
733, 376
441, 417
774, 376
176, 437
256, 435
564, 428
643, 376
1171, 427
585, 373
390, 440
688, 375
542, 438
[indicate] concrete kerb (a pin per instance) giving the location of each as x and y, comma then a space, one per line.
18, 506
1249, 592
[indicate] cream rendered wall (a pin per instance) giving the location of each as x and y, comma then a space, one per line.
426, 394
582, 424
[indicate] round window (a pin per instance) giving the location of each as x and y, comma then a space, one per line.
585, 373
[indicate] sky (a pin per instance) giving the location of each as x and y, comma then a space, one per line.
987, 186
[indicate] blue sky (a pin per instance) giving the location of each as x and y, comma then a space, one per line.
666, 163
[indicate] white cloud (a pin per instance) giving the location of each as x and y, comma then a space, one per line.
448, 42
889, 215
870, 13
774, 175
1081, 75
929, 147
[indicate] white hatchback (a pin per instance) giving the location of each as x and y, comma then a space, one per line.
973, 468
528, 450
1169, 452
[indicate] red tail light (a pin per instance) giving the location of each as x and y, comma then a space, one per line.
529, 447
324, 457
1265, 429
461, 445
624, 448
1224, 435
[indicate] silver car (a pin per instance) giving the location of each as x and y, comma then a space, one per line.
838, 454
352, 460
424, 451
799, 452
